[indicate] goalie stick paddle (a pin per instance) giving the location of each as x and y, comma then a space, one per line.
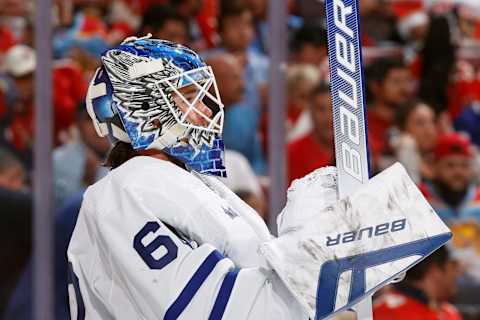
349, 107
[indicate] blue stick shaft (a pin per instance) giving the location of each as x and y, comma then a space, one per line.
348, 103
348, 94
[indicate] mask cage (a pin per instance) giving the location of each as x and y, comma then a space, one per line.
205, 89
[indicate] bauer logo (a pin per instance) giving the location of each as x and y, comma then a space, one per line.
367, 232
347, 87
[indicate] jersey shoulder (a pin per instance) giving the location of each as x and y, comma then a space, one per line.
155, 188
149, 178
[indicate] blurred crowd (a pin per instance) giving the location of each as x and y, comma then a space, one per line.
422, 60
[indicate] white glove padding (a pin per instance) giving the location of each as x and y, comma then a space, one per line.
357, 246
307, 197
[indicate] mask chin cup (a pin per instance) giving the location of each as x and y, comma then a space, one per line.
208, 160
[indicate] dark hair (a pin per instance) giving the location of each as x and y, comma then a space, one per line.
244, 194
439, 258
403, 113
8, 160
310, 33
176, 3
156, 16
230, 9
120, 153
81, 113
321, 88
378, 71
438, 56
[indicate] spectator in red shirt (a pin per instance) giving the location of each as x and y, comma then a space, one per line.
17, 119
301, 79
453, 192
17, 114
425, 292
390, 86
315, 149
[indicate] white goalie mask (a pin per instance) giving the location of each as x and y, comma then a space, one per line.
155, 94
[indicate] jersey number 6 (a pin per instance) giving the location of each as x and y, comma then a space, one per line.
146, 251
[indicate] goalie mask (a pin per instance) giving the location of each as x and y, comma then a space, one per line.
155, 94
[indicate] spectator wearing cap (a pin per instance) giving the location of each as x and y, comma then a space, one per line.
413, 29
453, 193
16, 122
13, 23
17, 117
424, 293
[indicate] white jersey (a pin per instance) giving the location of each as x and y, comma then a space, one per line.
154, 241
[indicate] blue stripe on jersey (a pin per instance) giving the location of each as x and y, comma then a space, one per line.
193, 285
224, 295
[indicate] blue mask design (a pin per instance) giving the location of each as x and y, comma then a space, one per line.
207, 160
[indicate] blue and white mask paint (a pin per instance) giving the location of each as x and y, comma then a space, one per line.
155, 94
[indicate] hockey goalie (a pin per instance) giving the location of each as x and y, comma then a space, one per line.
160, 237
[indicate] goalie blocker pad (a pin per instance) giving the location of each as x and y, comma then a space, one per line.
357, 246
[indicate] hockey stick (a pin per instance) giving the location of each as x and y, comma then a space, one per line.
350, 243
349, 107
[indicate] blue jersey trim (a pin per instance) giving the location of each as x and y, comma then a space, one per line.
224, 295
73, 279
198, 278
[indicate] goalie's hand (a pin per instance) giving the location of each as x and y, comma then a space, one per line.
308, 196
